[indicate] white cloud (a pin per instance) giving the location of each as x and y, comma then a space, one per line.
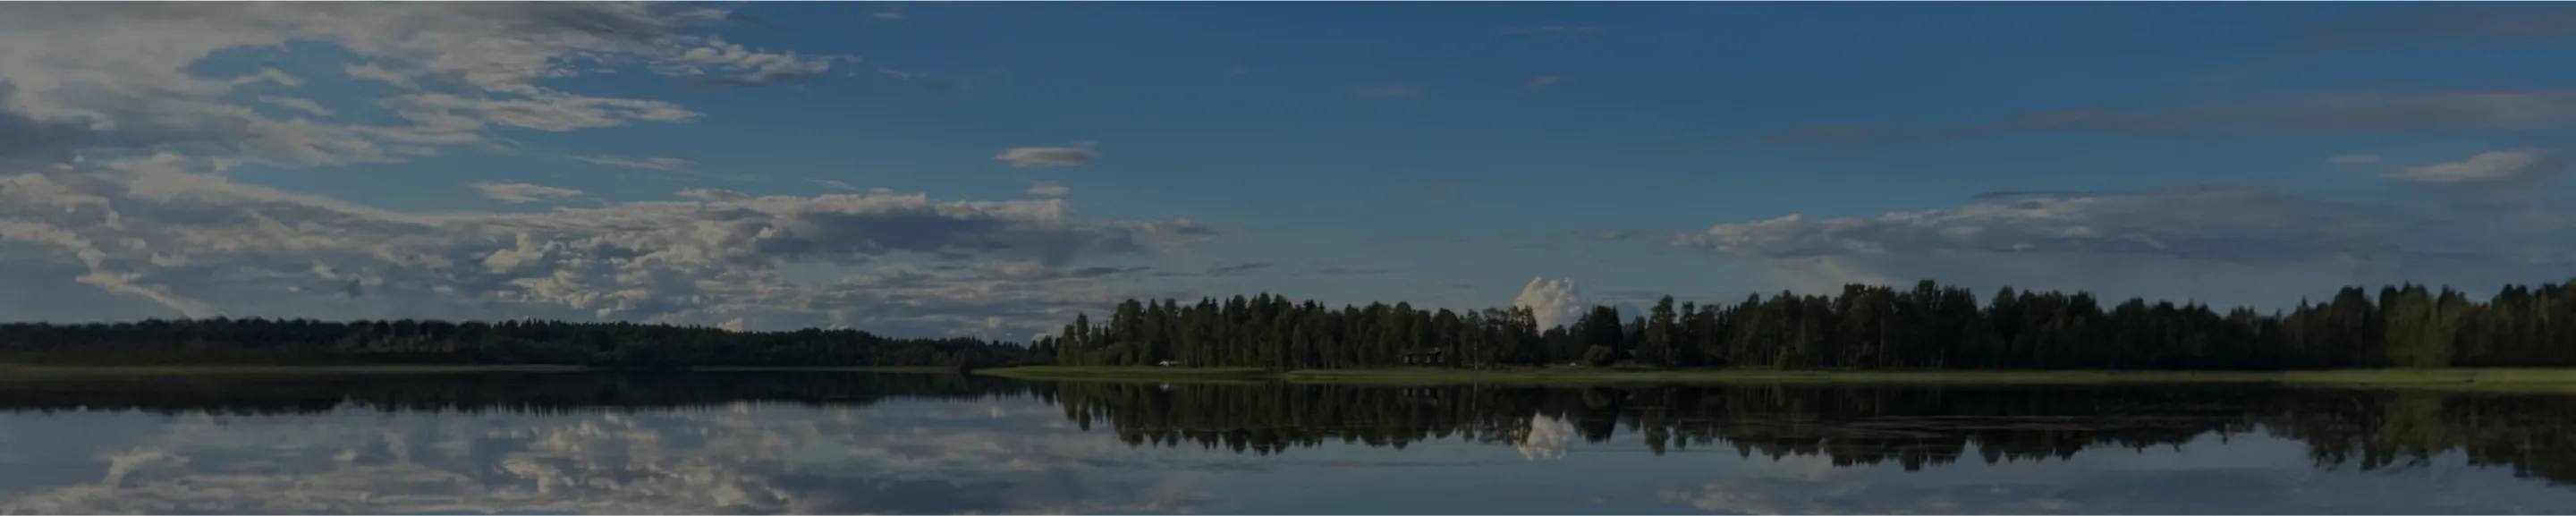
308, 106
835, 185
197, 245
519, 193
112, 202
1037, 157
1048, 188
2219, 245
91, 75
2487, 166
653, 163
1556, 302
744, 66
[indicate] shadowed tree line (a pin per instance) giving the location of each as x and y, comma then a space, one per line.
1864, 327
494, 392
223, 341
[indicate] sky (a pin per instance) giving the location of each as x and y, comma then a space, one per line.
991, 169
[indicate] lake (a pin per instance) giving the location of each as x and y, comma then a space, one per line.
769, 442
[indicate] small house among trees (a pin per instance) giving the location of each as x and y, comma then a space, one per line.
1425, 357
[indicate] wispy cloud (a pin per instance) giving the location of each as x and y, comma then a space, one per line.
651, 163
1045, 157
1048, 188
521, 193
1542, 82
2325, 112
2487, 166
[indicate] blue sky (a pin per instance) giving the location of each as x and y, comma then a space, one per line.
718, 163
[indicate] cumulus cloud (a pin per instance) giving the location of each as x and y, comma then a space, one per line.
1556, 302
1040, 157
2220, 244
92, 76
735, 65
1048, 188
2487, 166
308, 106
197, 245
112, 150
520, 193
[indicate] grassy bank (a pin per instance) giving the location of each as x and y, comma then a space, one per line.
2453, 379
1131, 374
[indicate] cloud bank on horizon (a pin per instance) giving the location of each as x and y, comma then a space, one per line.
745, 166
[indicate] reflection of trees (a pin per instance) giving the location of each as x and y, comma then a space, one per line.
1851, 425
515, 392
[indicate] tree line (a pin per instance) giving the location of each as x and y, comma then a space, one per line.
224, 341
1930, 326
513, 393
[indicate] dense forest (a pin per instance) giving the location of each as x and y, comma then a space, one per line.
1864, 327
622, 345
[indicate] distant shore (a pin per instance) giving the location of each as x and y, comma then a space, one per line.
2413, 379
41, 372
2448, 379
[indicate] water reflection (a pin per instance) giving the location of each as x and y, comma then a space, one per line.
845, 443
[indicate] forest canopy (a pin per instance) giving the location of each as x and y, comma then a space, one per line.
1929, 326
1863, 327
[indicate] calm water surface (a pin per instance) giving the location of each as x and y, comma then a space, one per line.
854, 443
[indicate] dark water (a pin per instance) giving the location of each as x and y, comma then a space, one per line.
856, 443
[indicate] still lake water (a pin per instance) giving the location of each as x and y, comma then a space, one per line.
925, 444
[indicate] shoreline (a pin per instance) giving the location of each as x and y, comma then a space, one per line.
2446, 378
2455, 379
41, 372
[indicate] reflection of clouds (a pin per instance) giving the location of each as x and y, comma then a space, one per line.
2250, 475
898, 457
1548, 438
